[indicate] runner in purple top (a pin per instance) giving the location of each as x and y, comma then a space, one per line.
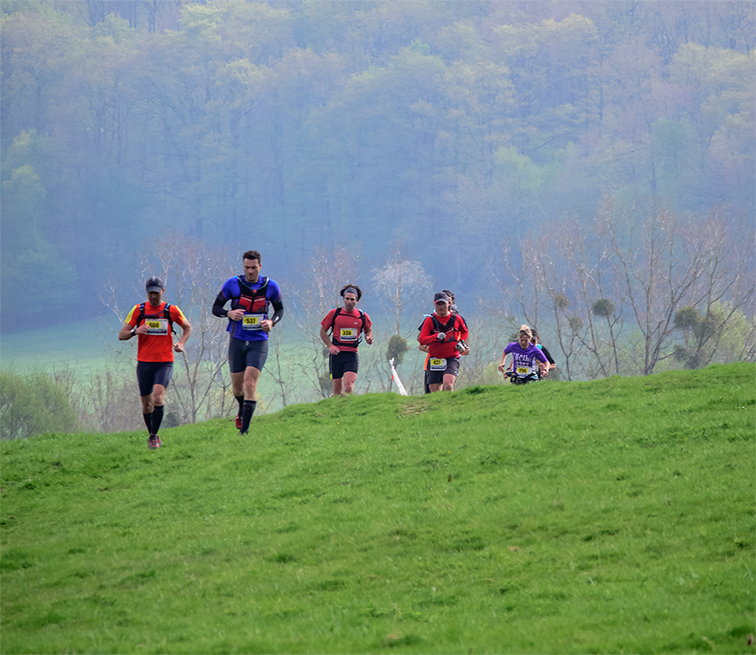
526, 359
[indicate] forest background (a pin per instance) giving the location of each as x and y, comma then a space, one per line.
586, 167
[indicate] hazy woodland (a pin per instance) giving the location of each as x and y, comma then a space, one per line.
290, 125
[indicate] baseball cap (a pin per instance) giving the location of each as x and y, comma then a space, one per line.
441, 296
154, 284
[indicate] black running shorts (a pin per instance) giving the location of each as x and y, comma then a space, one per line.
151, 373
242, 354
451, 368
343, 362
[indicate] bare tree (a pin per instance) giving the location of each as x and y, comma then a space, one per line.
587, 256
541, 282
666, 263
518, 284
657, 274
281, 370
327, 271
402, 281
722, 293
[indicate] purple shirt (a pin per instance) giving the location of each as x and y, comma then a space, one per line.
524, 360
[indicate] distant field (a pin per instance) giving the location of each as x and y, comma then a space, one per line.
86, 344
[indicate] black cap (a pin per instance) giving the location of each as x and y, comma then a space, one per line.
154, 284
441, 296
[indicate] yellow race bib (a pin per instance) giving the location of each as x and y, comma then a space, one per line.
252, 321
348, 334
437, 364
156, 326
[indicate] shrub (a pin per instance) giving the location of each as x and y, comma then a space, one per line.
397, 346
33, 403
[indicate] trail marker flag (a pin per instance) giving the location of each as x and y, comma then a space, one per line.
395, 378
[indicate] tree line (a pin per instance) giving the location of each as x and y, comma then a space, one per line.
444, 126
625, 296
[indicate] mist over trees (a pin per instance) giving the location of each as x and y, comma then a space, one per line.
296, 127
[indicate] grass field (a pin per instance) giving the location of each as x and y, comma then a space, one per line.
85, 345
614, 516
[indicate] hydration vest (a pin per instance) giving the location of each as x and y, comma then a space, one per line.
335, 341
252, 301
449, 327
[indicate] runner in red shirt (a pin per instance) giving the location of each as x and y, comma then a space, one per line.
152, 322
445, 334
345, 325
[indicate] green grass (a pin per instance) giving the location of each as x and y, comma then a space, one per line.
600, 517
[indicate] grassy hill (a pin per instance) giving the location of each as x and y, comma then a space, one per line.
600, 517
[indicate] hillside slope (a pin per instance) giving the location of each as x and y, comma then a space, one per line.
607, 516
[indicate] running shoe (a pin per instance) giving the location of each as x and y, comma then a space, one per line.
238, 422
153, 442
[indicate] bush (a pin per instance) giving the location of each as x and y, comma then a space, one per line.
32, 404
397, 346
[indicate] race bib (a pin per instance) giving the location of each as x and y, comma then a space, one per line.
523, 370
436, 364
348, 334
252, 321
157, 326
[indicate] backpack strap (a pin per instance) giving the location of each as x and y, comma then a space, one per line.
167, 314
335, 314
263, 286
451, 326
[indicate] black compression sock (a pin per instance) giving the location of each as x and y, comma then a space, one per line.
249, 409
157, 418
240, 400
148, 421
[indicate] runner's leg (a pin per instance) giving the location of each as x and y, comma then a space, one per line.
336, 385
349, 379
251, 376
449, 380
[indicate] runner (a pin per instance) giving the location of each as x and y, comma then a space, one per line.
536, 341
446, 335
525, 368
153, 323
248, 327
345, 325
465, 349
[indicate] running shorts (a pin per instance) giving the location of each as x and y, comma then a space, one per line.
151, 373
451, 367
242, 354
342, 363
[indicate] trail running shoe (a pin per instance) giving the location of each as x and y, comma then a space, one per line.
153, 442
238, 422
